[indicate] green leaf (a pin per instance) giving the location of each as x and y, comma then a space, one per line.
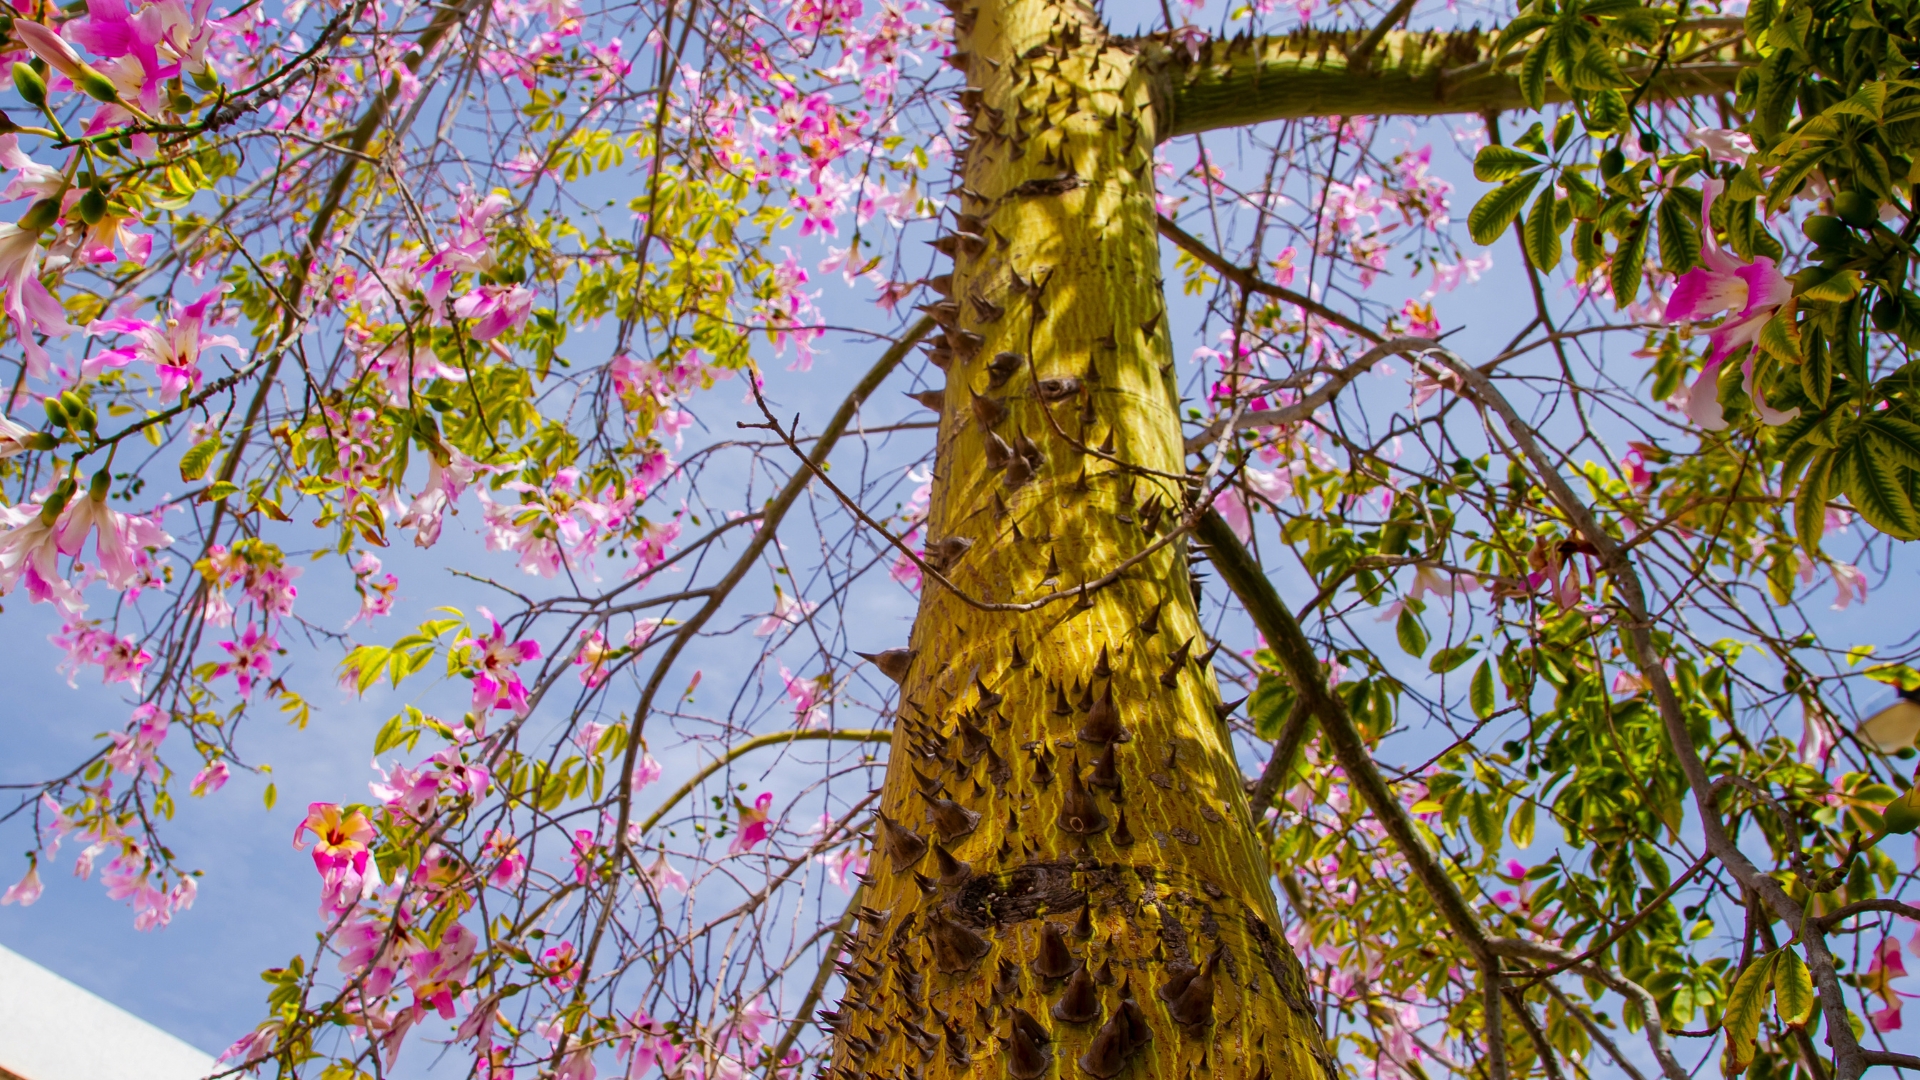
1480, 693
270, 796
1533, 72
1497, 208
1496, 163
1520, 826
220, 490
1788, 179
193, 463
1607, 113
1879, 492
1792, 990
1745, 1003
1451, 657
1679, 237
1413, 636
1269, 706
1628, 259
1810, 509
1816, 371
1543, 239
1894, 439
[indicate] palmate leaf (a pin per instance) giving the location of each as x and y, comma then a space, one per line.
1533, 72
1810, 509
1497, 163
1877, 489
1497, 208
1679, 237
1627, 270
1543, 232
1894, 439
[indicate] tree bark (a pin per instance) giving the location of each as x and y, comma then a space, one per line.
1066, 881
1241, 81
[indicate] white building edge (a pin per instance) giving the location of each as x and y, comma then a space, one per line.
51, 1029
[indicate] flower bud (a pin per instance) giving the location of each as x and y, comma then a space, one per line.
56, 413
42, 440
30, 86
93, 206
205, 79
95, 85
57, 502
40, 215
97, 487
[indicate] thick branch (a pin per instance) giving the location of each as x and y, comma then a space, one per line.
1283, 634
1243, 81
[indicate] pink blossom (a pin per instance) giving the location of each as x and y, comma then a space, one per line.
662, 876
495, 309
1850, 585
173, 346
376, 592
134, 752
753, 824
25, 891
591, 658
249, 659
27, 302
1748, 294
495, 683
787, 611
808, 700
210, 779
340, 851
30, 552
1733, 147
510, 864
581, 855
120, 542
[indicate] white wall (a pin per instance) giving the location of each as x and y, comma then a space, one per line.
51, 1029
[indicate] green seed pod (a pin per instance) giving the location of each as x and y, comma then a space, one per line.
1827, 231
181, 103
95, 85
30, 86
56, 412
1612, 163
205, 79
93, 206
1649, 142
57, 502
1857, 209
1886, 314
97, 487
40, 215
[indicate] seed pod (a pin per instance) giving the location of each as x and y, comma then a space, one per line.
904, 847
1054, 960
30, 86
1079, 813
893, 663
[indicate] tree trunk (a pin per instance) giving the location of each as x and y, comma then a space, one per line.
1067, 881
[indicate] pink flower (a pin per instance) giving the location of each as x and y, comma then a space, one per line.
753, 824
134, 752
122, 540
787, 611
249, 660
25, 891
645, 771
662, 876
27, 302
495, 309
210, 779
581, 856
510, 865
340, 851
173, 346
30, 552
48, 46
1733, 147
376, 593
591, 658
495, 684
1850, 585
807, 698
1748, 294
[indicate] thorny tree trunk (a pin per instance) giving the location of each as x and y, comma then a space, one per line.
1067, 881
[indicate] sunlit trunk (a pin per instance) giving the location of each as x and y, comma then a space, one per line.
1067, 881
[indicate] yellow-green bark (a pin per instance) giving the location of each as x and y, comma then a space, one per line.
1059, 264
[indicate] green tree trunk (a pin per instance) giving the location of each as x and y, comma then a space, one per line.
1067, 881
